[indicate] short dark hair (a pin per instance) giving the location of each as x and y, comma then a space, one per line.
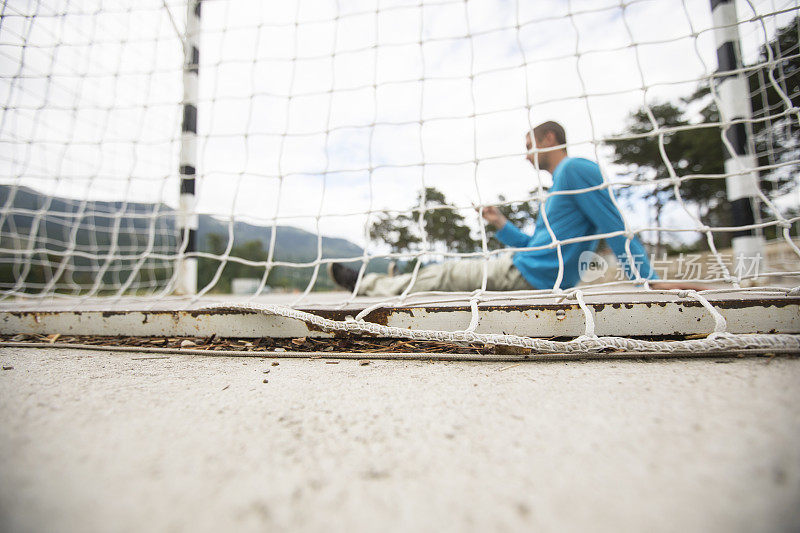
551, 127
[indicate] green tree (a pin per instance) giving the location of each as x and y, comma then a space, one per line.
777, 136
254, 250
216, 244
688, 151
445, 227
699, 150
776, 133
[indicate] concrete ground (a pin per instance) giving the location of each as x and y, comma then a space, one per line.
98, 441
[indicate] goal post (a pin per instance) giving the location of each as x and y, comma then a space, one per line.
153, 162
186, 269
733, 94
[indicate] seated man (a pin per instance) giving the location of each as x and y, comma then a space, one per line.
570, 215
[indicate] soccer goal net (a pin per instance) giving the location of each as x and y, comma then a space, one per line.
179, 154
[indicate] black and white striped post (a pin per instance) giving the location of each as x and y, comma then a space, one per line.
186, 281
734, 102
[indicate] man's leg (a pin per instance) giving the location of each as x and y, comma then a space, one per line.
452, 276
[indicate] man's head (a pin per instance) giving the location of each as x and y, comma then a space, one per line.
547, 135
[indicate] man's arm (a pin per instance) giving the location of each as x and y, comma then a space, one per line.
600, 209
507, 233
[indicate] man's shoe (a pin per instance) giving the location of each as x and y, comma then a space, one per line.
343, 276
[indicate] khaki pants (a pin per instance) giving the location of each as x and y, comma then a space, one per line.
452, 276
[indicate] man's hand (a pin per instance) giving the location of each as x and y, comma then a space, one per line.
494, 217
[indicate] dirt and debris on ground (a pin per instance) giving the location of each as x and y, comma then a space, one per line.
350, 344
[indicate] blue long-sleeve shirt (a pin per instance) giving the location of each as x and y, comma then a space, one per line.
570, 216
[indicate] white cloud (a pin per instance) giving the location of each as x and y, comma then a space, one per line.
351, 73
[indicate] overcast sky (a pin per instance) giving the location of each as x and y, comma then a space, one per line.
314, 107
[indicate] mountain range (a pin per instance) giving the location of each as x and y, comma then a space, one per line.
135, 220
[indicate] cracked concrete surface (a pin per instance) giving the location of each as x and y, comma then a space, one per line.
100, 441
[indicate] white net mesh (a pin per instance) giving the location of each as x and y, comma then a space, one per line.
364, 132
